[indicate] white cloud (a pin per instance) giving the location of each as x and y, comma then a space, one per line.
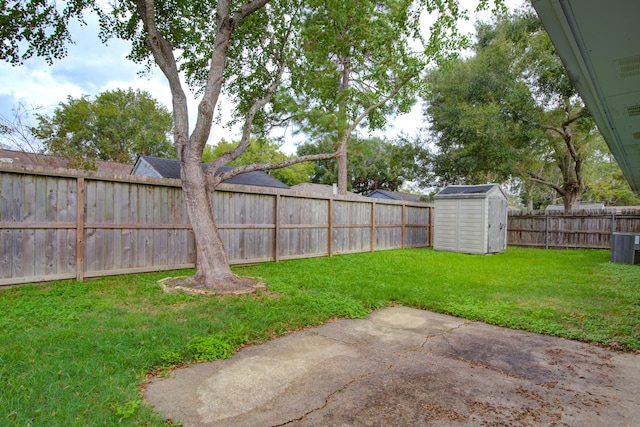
89, 68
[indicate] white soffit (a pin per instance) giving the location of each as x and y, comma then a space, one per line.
599, 43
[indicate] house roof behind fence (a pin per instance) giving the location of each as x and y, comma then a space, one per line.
49, 161
169, 168
313, 188
583, 206
396, 195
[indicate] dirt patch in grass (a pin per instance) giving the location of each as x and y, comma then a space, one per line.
187, 285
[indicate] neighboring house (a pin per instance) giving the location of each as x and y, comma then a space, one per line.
308, 187
168, 168
583, 207
324, 190
44, 160
396, 195
621, 209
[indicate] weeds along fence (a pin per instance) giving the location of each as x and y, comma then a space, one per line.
584, 229
56, 224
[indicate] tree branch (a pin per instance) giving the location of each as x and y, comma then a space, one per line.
537, 178
552, 129
163, 54
256, 106
268, 166
380, 103
226, 25
247, 9
246, 128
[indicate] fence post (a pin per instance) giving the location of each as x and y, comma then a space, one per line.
613, 222
430, 210
330, 232
546, 231
403, 223
80, 213
373, 226
276, 229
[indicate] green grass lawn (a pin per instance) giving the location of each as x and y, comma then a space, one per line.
76, 354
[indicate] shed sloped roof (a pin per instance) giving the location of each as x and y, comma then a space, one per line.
470, 191
169, 168
467, 189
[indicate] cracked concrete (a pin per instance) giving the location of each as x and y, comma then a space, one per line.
406, 367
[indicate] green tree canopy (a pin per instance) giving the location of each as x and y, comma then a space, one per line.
115, 126
374, 164
606, 182
510, 111
263, 151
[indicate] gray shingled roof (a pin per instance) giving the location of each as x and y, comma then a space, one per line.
396, 195
169, 168
467, 189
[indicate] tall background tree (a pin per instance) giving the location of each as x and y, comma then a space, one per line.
360, 67
263, 150
116, 126
255, 51
373, 164
510, 110
606, 183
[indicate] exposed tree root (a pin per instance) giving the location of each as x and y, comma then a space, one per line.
232, 285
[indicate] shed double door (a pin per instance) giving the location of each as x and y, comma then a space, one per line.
497, 225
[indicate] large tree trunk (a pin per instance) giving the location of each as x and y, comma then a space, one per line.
213, 270
572, 196
343, 133
342, 168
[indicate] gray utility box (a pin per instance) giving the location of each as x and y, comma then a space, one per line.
625, 248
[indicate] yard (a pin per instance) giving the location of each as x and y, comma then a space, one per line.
77, 353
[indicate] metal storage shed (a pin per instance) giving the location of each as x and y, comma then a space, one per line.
471, 219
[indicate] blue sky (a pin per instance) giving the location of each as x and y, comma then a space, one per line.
92, 67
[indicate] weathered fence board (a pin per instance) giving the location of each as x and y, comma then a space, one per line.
575, 230
64, 224
418, 227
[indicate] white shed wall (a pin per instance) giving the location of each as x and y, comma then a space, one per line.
445, 231
472, 229
460, 225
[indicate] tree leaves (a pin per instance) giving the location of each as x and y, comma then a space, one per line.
509, 111
39, 28
263, 151
117, 126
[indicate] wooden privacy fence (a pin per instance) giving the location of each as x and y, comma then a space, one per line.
60, 225
575, 229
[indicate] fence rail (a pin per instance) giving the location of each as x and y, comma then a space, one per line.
590, 229
55, 224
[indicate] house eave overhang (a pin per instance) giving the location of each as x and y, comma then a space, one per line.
599, 43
